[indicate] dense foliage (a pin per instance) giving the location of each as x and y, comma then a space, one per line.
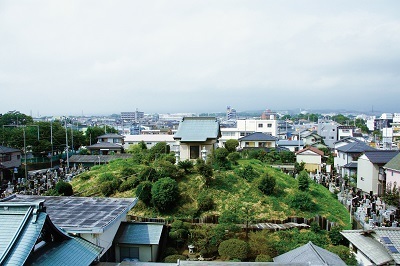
165, 194
233, 249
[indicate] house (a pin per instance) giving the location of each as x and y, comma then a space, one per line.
379, 246
150, 140
257, 140
311, 139
291, 145
139, 241
244, 127
93, 219
29, 237
392, 172
107, 144
370, 170
90, 160
309, 254
197, 136
312, 157
348, 153
10, 159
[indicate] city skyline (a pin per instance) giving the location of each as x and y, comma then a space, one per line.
101, 57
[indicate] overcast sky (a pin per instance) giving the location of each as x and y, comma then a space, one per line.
102, 57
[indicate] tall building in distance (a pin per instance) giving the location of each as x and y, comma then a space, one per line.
230, 113
132, 116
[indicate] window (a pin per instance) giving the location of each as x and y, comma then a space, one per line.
260, 125
194, 152
5, 157
242, 134
269, 125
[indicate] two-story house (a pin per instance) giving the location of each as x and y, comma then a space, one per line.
391, 173
10, 158
347, 156
369, 167
107, 144
257, 140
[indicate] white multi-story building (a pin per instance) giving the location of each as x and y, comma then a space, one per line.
245, 127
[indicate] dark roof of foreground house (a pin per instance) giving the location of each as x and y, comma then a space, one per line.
394, 163
258, 136
81, 214
110, 136
380, 156
28, 236
311, 254
198, 129
139, 233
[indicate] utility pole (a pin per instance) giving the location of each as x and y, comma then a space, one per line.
66, 144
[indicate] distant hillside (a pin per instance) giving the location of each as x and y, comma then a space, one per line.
228, 191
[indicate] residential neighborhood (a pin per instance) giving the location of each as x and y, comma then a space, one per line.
360, 168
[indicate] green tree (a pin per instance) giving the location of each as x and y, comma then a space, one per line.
248, 173
233, 249
302, 201
231, 145
165, 193
157, 150
205, 170
267, 184
303, 180
234, 157
205, 201
143, 192
220, 157
334, 235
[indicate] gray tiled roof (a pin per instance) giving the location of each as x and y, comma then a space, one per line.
290, 143
356, 147
367, 243
139, 233
4, 149
381, 156
95, 158
351, 165
81, 213
105, 145
198, 129
258, 136
110, 136
394, 163
312, 254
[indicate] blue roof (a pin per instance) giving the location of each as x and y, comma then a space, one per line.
381, 156
198, 129
356, 147
139, 233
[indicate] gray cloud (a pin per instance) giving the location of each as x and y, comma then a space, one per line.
101, 57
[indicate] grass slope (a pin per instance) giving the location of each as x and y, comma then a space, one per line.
228, 190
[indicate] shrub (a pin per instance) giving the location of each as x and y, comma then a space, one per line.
263, 258
205, 170
148, 173
106, 177
204, 201
129, 184
186, 166
64, 188
174, 258
233, 249
248, 173
302, 201
165, 194
267, 184
166, 169
170, 251
334, 235
108, 188
127, 172
84, 176
220, 158
344, 253
143, 192
234, 157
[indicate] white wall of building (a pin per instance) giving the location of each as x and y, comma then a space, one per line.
367, 175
